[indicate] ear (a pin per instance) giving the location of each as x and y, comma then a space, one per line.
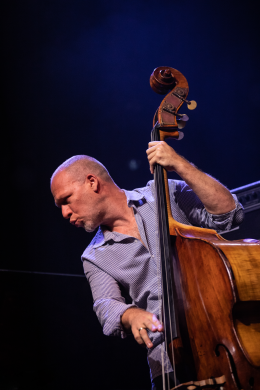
93, 182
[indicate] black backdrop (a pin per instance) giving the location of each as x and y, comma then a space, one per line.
76, 81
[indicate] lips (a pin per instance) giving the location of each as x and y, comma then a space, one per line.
76, 222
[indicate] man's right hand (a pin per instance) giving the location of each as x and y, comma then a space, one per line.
138, 321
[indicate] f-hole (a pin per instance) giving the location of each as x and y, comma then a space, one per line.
232, 364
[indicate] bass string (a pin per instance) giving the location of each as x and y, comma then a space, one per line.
154, 137
160, 199
159, 277
164, 244
168, 274
165, 258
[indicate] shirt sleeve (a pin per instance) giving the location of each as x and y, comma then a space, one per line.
109, 304
191, 209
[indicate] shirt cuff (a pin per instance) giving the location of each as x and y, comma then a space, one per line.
233, 218
111, 323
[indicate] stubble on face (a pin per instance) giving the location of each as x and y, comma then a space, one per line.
87, 210
85, 206
89, 227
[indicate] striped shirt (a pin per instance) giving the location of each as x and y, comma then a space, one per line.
122, 272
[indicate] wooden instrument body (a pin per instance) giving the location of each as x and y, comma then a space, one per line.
217, 284
220, 296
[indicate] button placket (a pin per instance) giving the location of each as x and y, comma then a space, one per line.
141, 229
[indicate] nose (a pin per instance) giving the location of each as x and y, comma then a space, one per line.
66, 211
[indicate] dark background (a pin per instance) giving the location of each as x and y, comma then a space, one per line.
76, 81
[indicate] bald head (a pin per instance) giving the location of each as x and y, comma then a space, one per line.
78, 167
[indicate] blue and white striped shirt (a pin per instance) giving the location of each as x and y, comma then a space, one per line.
122, 272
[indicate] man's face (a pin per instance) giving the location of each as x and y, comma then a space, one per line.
79, 202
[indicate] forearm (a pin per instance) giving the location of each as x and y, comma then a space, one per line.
109, 304
216, 198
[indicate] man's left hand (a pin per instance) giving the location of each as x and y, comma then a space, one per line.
159, 152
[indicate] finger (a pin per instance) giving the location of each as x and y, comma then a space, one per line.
153, 143
157, 324
152, 169
144, 336
151, 165
158, 151
156, 144
151, 150
151, 155
154, 324
138, 337
154, 160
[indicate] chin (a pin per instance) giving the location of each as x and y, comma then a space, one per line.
88, 228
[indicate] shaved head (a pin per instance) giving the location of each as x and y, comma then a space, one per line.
80, 166
85, 192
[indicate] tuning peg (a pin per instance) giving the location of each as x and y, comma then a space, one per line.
183, 117
181, 124
181, 135
191, 105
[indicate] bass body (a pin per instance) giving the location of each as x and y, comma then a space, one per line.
211, 287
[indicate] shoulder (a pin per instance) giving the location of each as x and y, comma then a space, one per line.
174, 186
147, 192
177, 188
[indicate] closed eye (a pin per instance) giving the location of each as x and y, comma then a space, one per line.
62, 201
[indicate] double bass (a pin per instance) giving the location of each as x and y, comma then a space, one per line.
210, 286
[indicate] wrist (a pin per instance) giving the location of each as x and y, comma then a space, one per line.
181, 165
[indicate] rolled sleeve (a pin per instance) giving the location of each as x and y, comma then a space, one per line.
227, 221
188, 209
109, 305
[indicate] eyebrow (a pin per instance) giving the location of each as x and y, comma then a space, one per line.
58, 202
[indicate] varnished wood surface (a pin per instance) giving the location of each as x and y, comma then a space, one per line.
169, 121
246, 316
209, 294
216, 276
244, 259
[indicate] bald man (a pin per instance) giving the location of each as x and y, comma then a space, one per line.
121, 262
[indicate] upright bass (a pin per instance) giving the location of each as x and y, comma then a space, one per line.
210, 286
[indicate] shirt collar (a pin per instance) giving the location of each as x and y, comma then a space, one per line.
103, 236
134, 197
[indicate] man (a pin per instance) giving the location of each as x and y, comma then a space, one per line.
121, 263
